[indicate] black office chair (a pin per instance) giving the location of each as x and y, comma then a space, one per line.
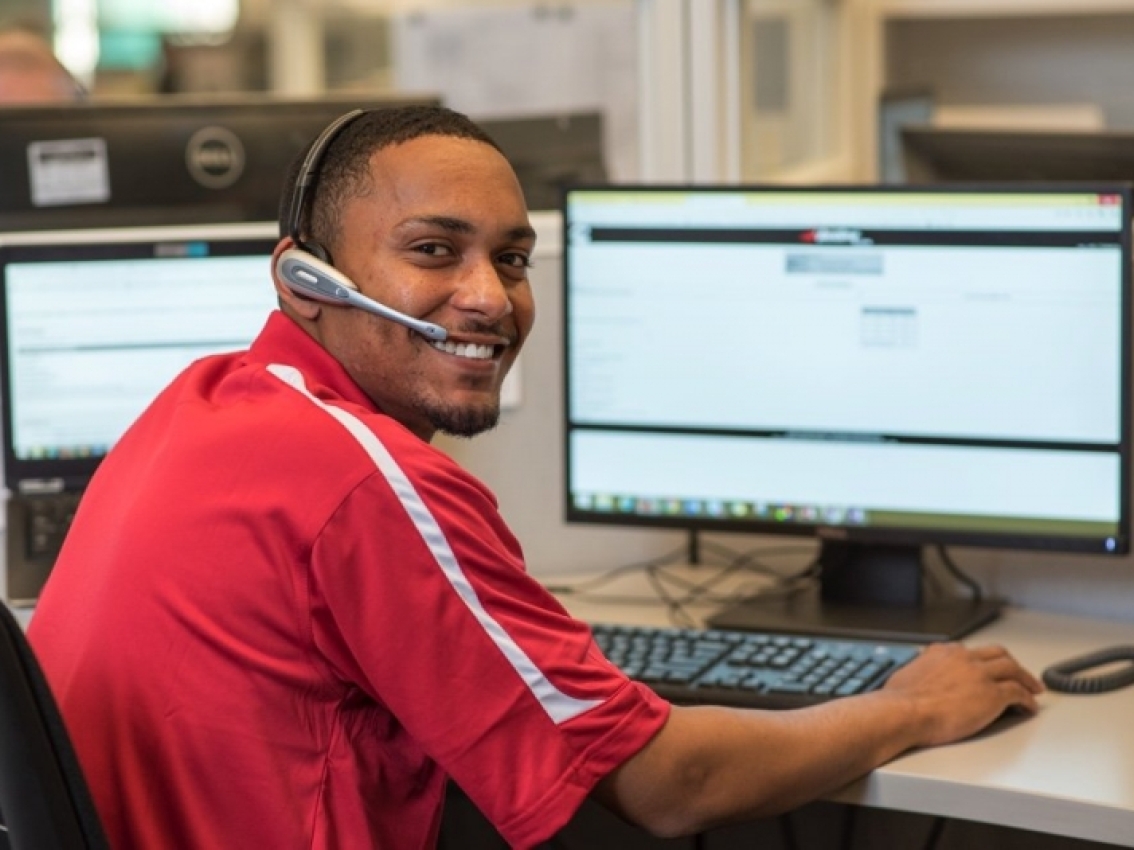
44, 800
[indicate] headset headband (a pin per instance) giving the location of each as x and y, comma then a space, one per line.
309, 171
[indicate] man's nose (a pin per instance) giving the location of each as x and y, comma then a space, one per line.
483, 291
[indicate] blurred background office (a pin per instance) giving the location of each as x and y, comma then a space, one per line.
713, 90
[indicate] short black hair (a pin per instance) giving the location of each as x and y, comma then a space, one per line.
344, 172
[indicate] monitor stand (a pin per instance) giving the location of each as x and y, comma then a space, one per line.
872, 591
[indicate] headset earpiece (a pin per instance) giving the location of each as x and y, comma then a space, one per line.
309, 277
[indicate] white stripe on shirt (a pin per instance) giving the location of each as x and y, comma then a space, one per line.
559, 707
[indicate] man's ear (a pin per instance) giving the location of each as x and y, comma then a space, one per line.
297, 305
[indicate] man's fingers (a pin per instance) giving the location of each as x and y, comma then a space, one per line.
989, 652
1019, 696
1007, 669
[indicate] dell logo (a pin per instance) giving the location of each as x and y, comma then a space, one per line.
215, 157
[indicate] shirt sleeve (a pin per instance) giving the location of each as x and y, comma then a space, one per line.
424, 602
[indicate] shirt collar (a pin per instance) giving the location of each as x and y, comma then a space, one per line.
283, 341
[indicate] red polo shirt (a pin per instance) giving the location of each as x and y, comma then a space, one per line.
281, 620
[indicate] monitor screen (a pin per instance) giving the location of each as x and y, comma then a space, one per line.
937, 154
94, 324
163, 161
883, 368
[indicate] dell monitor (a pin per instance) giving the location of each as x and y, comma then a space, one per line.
162, 161
883, 369
938, 155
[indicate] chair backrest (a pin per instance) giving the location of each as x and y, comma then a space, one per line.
44, 800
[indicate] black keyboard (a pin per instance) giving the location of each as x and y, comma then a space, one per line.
749, 669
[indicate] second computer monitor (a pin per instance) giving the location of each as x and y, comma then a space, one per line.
884, 369
93, 324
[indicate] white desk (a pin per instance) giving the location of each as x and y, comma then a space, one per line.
1067, 771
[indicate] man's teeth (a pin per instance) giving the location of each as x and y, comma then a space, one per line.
467, 349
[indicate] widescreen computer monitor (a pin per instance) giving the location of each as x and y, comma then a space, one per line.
937, 155
93, 325
162, 161
884, 369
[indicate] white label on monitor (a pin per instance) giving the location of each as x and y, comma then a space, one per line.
68, 171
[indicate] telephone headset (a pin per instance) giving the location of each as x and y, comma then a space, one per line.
1066, 676
306, 269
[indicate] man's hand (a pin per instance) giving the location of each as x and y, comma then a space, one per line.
960, 690
712, 765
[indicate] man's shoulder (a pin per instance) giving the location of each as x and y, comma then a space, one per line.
297, 399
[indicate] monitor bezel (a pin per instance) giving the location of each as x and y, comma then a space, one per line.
51, 474
1117, 545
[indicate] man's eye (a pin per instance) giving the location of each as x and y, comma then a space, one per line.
434, 249
516, 260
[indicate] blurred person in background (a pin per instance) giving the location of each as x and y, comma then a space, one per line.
30, 73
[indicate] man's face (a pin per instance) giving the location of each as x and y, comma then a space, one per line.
443, 236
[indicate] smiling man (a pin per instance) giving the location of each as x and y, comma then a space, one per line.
282, 619
462, 262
